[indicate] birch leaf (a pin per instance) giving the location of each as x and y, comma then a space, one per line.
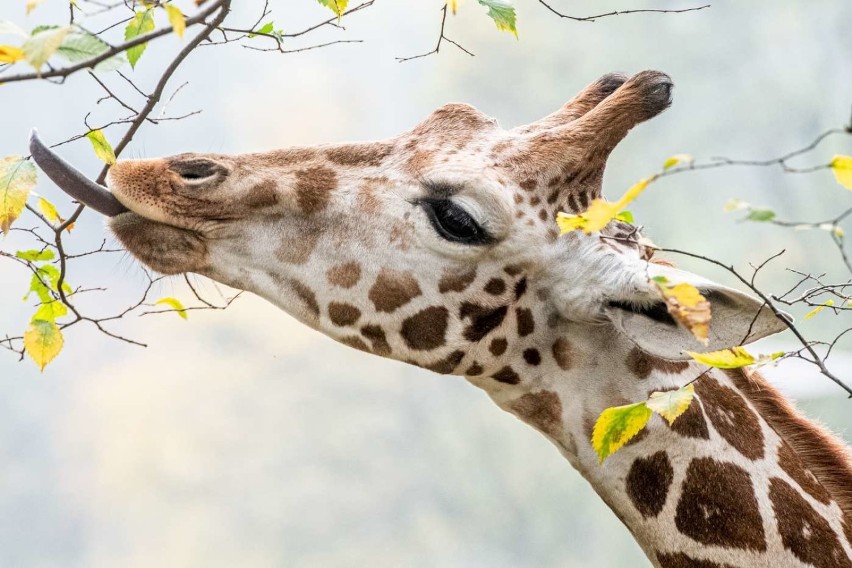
336, 6
600, 212
17, 178
50, 311
175, 304
10, 54
616, 426
141, 24
686, 305
503, 14
49, 210
35, 255
671, 404
176, 19
673, 161
818, 309
732, 358
842, 168
43, 341
102, 147
43, 45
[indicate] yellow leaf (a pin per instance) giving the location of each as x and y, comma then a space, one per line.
671, 404
818, 309
600, 212
41, 47
48, 210
32, 4
43, 341
102, 147
842, 167
686, 305
17, 178
10, 54
677, 159
616, 426
732, 358
175, 304
176, 19
454, 4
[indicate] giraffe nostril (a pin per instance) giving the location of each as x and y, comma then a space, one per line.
197, 169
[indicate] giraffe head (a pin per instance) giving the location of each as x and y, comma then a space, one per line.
437, 247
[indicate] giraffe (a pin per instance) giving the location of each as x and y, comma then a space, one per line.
438, 247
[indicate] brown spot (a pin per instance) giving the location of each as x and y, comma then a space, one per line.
648, 483
448, 364
495, 286
453, 281
393, 289
298, 249
791, 464
731, 417
342, 314
563, 353
691, 424
313, 188
498, 346
526, 322
264, 194
419, 161
474, 370
681, 560
401, 235
376, 335
520, 288
306, 295
506, 375
542, 214
528, 184
803, 531
718, 507
426, 329
513, 269
532, 356
518, 198
642, 364
535, 200
368, 201
345, 275
355, 342
369, 154
483, 319
541, 410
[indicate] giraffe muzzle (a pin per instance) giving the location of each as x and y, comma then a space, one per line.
72, 181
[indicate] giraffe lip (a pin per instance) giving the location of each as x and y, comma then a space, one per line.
72, 181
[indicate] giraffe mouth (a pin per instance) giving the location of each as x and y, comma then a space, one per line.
72, 181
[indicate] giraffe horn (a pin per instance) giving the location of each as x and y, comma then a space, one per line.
72, 181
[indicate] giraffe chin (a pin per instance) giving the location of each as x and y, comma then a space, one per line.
163, 248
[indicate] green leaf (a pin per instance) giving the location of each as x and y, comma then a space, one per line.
625, 216
43, 341
42, 45
141, 24
761, 215
50, 311
176, 19
671, 404
17, 178
336, 6
51, 273
842, 168
616, 426
175, 304
80, 46
102, 147
35, 255
503, 14
818, 309
266, 28
113, 63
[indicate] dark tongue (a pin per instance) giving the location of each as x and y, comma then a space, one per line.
71, 181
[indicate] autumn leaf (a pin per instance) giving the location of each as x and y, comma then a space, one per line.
17, 178
175, 304
176, 19
43, 45
141, 24
43, 341
454, 4
732, 358
677, 159
600, 212
818, 309
686, 305
49, 210
503, 14
842, 168
102, 147
671, 404
616, 426
10, 54
336, 6
32, 5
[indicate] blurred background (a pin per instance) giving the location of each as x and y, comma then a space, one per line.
241, 438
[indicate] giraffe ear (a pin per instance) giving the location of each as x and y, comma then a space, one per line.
736, 318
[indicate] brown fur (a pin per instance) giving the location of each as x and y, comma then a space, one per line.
820, 451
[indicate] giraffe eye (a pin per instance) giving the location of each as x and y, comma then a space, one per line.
453, 223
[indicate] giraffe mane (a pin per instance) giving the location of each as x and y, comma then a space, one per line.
819, 449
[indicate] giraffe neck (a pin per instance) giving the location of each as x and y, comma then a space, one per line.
722, 486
